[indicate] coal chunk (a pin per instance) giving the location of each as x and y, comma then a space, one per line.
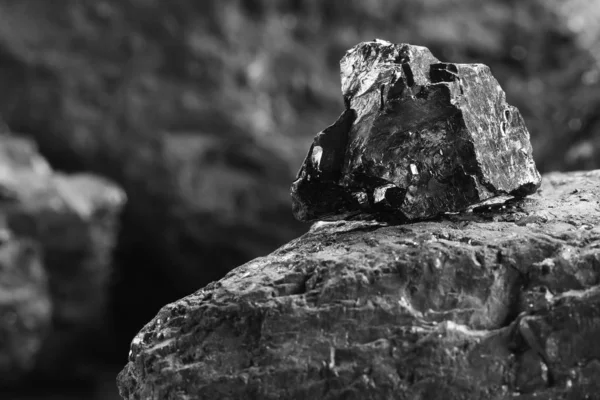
419, 137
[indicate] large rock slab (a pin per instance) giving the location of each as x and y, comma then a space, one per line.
73, 220
498, 302
418, 137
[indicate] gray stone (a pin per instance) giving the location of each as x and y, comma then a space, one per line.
418, 138
501, 301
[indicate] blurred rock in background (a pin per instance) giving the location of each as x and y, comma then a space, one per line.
25, 307
202, 110
53, 303
579, 146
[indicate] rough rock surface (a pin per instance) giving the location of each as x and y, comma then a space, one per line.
498, 302
418, 137
73, 220
25, 307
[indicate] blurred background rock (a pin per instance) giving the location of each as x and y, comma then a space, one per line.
57, 235
202, 111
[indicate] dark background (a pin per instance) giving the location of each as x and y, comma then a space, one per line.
203, 111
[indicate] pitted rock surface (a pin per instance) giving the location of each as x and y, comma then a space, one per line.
419, 137
501, 301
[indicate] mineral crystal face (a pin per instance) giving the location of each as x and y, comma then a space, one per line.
419, 137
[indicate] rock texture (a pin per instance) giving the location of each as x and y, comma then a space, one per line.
498, 302
418, 138
73, 219
25, 307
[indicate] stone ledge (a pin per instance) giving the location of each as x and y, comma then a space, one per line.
502, 301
